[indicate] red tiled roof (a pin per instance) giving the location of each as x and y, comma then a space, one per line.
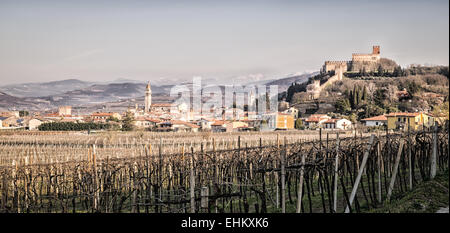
318, 115
218, 123
312, 119
407, 114
102, 114
376, 118
178, 122
331, 121
162, 105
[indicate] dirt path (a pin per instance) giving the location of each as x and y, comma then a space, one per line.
443, 210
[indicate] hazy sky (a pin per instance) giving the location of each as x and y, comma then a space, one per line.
145, 40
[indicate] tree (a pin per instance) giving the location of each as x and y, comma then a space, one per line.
364, 94
127, 122
371, 88
343, 105
391, 93
398, 71
364, 72
380, 71
378, 97
299, 124
23, 113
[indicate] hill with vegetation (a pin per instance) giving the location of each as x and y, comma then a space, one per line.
366, 94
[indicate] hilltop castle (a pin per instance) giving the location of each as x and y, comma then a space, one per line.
373, 57
337, 68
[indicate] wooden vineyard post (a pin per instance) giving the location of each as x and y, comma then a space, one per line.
434, 154
160, 171
204, 199
300, 188
394, 172
217, 174
409, 156
336, 174
192, 181
379, 168
360, 172
276, 174
94, 170
283, 178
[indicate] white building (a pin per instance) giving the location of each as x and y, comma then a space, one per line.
375, 121
342, 124
34, 124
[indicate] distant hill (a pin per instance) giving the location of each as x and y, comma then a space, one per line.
284, 83
49, 95
9, 102
90, 95
44, 88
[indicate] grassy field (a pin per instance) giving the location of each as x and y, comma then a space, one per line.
427, 197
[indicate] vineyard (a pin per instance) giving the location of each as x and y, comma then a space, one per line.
145, 172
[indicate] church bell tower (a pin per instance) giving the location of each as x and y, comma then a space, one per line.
148, 98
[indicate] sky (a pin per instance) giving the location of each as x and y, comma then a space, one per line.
175, 40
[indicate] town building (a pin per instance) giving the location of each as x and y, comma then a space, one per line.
292, 111
342, 124
65, 111
279, 121
104, 116
316, 120
10, 121
416, 120
146, 122
34, 123
375, 121
177, 126
219, 126
10, 114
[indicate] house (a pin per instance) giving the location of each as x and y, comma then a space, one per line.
34, 123
401, 120
279, 121
205, 124
10, 114
236, 126
253, 124
375, 121
316, 120
9, 121
219, 126
164, 107
342, 124
403, 94
146, 122
440, 118
292, 111
65, 110
177, 126
104, 116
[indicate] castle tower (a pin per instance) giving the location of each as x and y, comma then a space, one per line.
376, 49
148, 98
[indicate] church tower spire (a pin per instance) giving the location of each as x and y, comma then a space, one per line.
148, 98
